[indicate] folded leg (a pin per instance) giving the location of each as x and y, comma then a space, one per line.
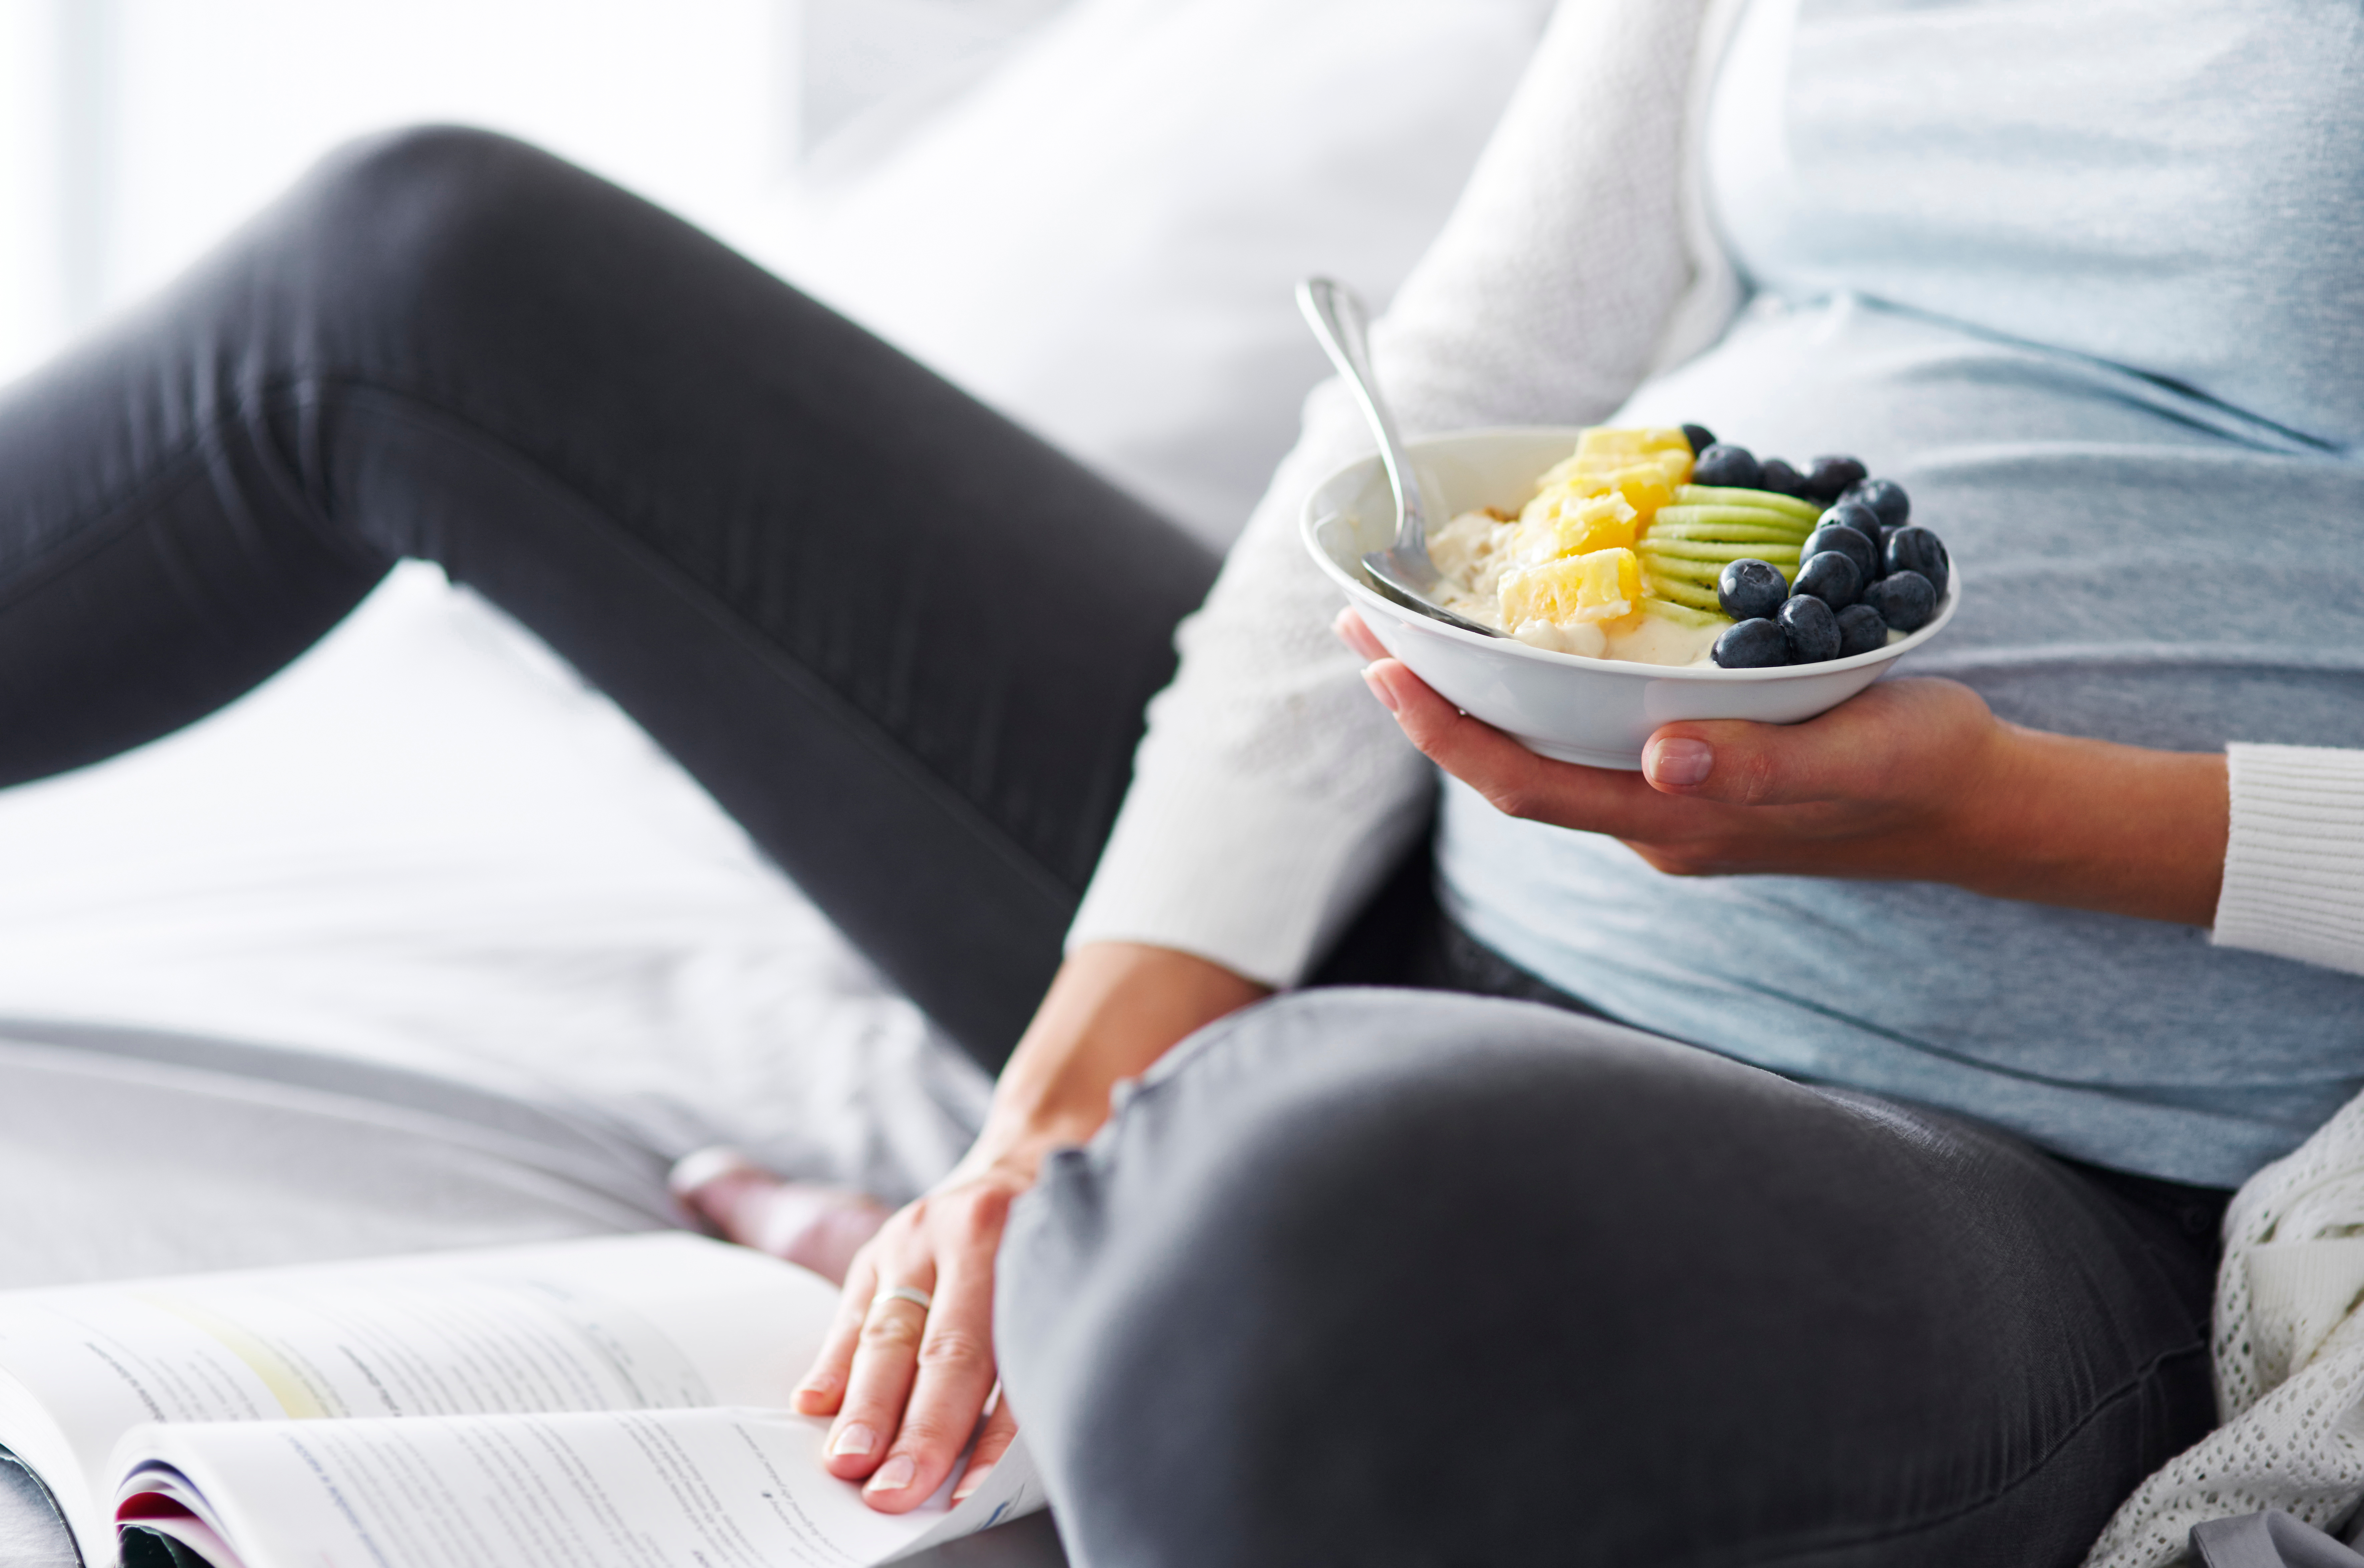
1382, 1277
904, 642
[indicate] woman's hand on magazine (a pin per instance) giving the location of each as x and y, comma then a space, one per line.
1908, 780
908, 1385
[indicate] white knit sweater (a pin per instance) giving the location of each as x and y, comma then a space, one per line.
1271, 792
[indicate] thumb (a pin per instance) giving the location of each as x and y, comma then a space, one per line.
993, 1441
1744, 764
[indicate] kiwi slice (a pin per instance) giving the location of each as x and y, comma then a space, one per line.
1691, 596
1726, 533
1683, 614
1732, 516
1725, 496
1714, 550
1686, 571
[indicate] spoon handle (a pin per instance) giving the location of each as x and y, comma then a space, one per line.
1338, 321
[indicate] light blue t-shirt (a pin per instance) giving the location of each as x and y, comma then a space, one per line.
2090, 281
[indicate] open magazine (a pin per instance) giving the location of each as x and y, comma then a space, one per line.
620, 1402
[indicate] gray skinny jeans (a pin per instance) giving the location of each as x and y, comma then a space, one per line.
1384, 1277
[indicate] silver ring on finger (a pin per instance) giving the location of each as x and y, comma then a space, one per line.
910, 1293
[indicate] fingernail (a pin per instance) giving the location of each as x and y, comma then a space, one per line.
1680, 762
971, 1481
853, 1442
814, 1394
1379, 690
894, 1475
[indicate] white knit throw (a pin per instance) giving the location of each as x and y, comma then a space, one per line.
2289, 1361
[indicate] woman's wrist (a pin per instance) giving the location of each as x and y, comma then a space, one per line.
2092, 825
1112, 1010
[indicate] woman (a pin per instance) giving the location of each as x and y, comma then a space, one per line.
1911, 1264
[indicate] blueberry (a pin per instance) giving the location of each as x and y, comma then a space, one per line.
1811, 631
1885, 498
1848, 540
1750, 589
1860, 631
1700, 436
1915, 549
1904, 600
1830, 577
1781, 479
1734, 467
1848, 515
1752, 645
1826, 476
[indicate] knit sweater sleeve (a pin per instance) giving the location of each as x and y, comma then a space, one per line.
2295, 863
1271, 793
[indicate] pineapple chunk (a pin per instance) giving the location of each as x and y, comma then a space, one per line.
1641, 487
1542, 509
1607, 439
1603, 586
1571, 519
1645, 479
1596, 522
1645, 487
1573, 469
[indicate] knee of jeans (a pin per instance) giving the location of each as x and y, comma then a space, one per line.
1361, 1250
1338, 1240
1336, 1100
391, 232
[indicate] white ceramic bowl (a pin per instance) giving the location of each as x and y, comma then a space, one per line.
1597, 711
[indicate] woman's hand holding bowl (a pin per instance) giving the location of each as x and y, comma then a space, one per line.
1908, 780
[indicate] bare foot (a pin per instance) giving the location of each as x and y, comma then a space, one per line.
816, 1226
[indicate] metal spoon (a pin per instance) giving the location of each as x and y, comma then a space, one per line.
1403, 568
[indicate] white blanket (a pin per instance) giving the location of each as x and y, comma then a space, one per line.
2289, 1356
429, 845
128, 1153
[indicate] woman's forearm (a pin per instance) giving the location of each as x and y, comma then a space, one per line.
2089, 824
1113, 1009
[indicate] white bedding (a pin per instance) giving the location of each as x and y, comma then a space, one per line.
125, 1152
432, 950
429, 844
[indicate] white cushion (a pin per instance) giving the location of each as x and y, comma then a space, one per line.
1101, 239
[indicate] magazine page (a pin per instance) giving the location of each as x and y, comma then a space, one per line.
665, 1320
710, 1488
